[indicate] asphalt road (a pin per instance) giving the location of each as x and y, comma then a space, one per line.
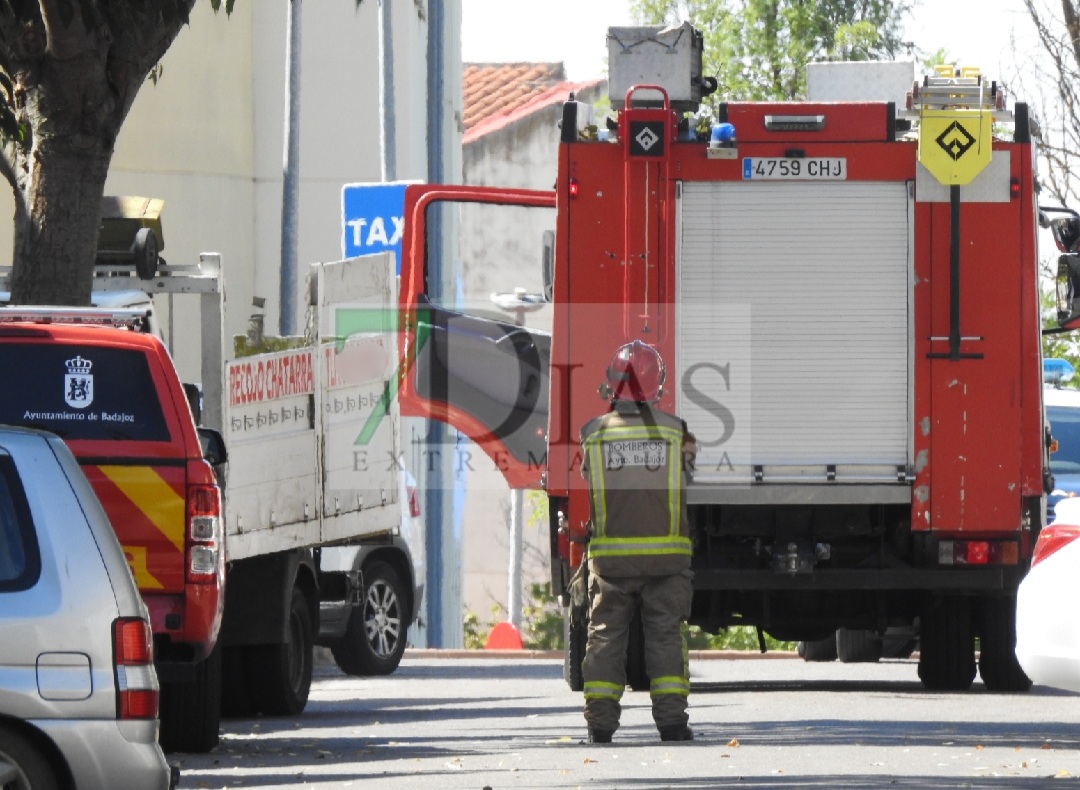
480, 722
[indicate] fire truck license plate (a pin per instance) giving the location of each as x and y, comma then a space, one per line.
812, 168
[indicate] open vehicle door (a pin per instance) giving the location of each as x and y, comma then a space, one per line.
476, 330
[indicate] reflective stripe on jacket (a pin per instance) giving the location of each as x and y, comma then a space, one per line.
633, 461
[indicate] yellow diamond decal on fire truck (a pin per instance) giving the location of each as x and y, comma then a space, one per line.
954, 145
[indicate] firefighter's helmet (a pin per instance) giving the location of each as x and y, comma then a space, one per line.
636, 373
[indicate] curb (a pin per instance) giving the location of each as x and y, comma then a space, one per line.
696, 655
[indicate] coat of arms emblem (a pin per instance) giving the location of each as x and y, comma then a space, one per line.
78, 383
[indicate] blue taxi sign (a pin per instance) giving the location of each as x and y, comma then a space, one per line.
372, 218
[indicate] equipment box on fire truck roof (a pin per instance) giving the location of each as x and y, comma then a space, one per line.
668, 56
860, 81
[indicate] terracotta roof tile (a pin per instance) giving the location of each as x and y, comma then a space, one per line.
495, 94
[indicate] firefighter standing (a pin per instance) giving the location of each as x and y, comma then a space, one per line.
635, 459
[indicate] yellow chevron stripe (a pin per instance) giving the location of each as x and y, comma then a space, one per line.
144, 580
153, 496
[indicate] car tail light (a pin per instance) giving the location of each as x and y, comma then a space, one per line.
205, 558
137, 687
978, 552
1051, 539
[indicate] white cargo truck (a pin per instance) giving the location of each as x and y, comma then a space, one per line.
316, 496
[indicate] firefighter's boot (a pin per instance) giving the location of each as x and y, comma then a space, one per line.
679, 732
597, 735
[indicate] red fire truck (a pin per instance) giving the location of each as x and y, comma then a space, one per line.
845, 294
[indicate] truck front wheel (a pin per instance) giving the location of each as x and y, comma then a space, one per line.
282, 672
947, 644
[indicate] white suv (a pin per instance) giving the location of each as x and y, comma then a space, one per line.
78, 690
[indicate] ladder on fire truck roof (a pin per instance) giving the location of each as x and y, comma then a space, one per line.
958, 89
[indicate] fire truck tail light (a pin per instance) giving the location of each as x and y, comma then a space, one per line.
1014, 188
573, 187
978, 552
137, 690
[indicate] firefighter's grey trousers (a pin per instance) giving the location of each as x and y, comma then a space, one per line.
665, 606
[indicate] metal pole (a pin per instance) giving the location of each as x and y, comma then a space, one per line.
290, 188
388, 128
513, 604
445, 626
517, 497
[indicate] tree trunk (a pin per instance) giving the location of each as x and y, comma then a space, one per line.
56, 234
73, 71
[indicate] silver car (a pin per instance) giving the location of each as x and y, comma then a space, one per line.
78, 690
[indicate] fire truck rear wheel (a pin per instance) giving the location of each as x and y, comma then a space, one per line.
375, 638
998, 667
857, 646
947, 644
818, 649
577, 633
191, 710
282, 672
